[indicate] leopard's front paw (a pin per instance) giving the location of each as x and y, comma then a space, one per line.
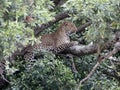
74, 42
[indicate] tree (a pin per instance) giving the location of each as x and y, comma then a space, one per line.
98, 22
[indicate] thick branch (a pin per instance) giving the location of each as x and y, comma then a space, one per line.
79, 50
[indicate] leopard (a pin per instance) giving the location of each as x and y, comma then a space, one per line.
55, 42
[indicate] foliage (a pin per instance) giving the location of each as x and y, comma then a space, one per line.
48, 73
104, 15
13, 30
98, 81
51, 72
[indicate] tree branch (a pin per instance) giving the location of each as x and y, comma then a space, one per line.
79, 50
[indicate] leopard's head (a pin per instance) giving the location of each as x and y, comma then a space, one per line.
69, 27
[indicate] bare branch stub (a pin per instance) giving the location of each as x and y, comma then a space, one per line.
82, 28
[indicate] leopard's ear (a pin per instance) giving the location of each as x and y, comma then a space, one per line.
65, 23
